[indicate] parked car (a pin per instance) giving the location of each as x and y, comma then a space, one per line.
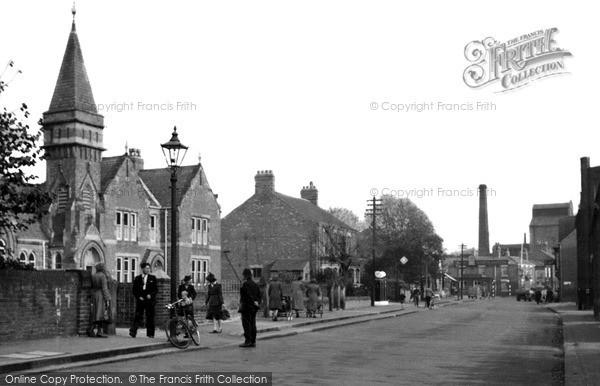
525, 295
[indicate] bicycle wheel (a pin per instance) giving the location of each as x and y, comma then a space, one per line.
177, 333
194, 332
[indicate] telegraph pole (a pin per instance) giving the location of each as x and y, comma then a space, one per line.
374, 208
462, 247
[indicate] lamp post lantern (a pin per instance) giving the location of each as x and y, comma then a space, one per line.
172, 152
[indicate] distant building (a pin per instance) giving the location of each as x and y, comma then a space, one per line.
274, 232
111, 209
566, 267
493, 275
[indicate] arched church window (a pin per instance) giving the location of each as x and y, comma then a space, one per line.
58, 261
31, 258
23, 257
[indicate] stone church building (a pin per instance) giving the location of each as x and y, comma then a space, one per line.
111, 209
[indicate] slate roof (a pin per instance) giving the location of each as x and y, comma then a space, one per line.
312, 211
289, 265
73, 90
159, 182
560, 205
108, 170
33, 232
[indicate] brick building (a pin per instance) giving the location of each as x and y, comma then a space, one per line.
111, 209
495, 275
270, 227
588, 238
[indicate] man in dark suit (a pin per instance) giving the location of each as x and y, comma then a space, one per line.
144, 290
249, 304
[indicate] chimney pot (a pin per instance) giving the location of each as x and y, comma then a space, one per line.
264, 182
310, 193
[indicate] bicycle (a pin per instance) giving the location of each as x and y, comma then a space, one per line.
181, 327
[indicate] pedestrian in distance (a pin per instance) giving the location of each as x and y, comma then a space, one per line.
298, 296
250, 297
428, 297
402, 299
538, 296
214, 301
145, 289
313, 291
101, 302
275, 296
415, 294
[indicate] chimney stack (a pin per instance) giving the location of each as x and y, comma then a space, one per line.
310, 193
484, 233
264, 182
136, 158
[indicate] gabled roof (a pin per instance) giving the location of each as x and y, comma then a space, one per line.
73, 90
33, 232
559, 205
289, 265
312, 211
158, 182
108, 170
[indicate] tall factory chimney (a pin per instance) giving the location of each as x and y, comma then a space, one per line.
484, 233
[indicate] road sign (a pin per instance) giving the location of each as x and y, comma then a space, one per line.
404, 260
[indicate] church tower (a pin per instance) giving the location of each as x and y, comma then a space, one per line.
73, 145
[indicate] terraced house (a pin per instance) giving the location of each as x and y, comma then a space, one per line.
112, 210
274, 232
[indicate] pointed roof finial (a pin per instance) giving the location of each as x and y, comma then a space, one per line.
126, 148
73, 11
199, 157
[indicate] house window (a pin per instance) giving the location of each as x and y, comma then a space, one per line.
256, 272
133, 221
126, 269
126, 226
57, 261
199, 269
199, 231
119, 229
481, 269
504, 270
204, 231
193, 230
152, 228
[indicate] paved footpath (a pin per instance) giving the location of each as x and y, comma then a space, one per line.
581, 344
68, 352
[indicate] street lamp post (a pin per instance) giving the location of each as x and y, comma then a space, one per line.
172, 153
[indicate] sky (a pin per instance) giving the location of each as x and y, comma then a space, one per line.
311, 91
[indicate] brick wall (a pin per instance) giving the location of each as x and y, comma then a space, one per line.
41, 304
126, 304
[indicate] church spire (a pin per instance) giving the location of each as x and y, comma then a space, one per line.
73, 11
73, 90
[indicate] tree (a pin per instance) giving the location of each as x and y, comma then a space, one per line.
21, 202
403, 230
348, 217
